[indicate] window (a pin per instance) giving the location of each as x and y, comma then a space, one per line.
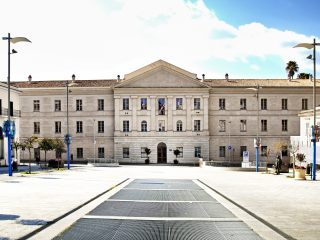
36, 105
222, 151
125, 152
181, 152
162, 106
11, 108
179, 126
79, 152
243, 104
179, 104
197, 151
222, 125
196, 103
284, 151
264, 126
57, 105
79, 104
79, 126
242, 149
36, 127
57, 127
162, 127
243, 125
126, 126
125, 103
0, 107
100, 126
284, 104
264, 104
143, 152
143, 103
144, 126
284, 125
264, 151
222, 104
101, 152
196, 126
100, 104
304, 104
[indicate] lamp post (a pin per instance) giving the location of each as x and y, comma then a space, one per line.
9, 126
94, 143
229, 146
314, 148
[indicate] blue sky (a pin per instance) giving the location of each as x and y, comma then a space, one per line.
99, 39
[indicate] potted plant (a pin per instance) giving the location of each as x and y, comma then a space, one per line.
147, 151
176, 153
300, 170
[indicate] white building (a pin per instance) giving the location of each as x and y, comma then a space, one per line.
164, 107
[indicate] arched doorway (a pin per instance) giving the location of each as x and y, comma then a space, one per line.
162, 153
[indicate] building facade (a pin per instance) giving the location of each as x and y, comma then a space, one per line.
163, 107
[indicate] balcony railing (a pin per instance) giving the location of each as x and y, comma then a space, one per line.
4, 112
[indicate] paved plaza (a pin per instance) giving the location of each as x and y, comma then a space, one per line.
44, 205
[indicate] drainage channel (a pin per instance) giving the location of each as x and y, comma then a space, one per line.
167, 209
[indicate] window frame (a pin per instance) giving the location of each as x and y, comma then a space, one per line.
197, 103
80, 153
36, 105
57, 105
125, 152
125, 126
125, 104
57, 127
284, 104
79, 105
179, 126
197, 125
36, 127
179, 103
100, 104
197, 151
222, 104
243, 104
222, 151
144, 126
264, 104
79, 127
143, 103
264, 125
100, 126
101, 152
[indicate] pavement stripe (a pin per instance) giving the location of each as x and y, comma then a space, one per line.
147, 201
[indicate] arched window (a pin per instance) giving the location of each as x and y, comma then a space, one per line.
144, 126
179, 126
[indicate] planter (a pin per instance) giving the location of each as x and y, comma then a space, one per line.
300, 174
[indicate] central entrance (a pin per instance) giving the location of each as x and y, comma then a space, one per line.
162, 153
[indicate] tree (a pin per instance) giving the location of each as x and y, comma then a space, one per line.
29, 144
292, 68
46, 144
304, 76
16, 146
176, 152
58, 146
148, 152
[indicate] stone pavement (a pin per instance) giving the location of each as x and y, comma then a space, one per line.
29, 201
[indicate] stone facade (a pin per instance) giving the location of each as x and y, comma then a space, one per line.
163, 107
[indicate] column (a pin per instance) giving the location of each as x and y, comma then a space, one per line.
205, 112
189, 110
153, 106
134, 113
116, 113
169, 107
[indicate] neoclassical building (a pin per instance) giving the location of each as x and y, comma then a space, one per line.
163, 107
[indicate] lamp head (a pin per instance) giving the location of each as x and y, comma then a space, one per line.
310, 57
13, 51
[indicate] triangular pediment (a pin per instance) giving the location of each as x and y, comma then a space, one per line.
161, 74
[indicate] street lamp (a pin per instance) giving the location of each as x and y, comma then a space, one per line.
9, 126
257, 140
67, 137
314, 152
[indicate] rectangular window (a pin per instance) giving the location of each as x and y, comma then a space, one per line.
284, 104
125, 152
125, 104
11, 109
197, 151
100, 104
243, 125
222, 151
57, 127
79, 152
284, 125
143, 152
264, 126
181, 152
36, 105
162, 106
144, 103
196, 127
0, 107
222, 125
284, 151
196, 103
36, 127
57, 105
222, 104
242, 149
125, 126
79, 104
162, 127
264, 104
179, 104
101, 152
243, 104
304, 104
79, 126
100, 126
264, 151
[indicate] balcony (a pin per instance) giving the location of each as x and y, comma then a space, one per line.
4, 112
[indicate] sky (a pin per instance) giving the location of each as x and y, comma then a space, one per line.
99, 39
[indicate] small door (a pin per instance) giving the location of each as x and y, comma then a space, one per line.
162, 153
37, 154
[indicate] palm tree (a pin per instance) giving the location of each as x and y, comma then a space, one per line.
304, 76
292, 68
29, 144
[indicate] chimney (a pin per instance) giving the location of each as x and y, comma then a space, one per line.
29, 78
226, 76
73, 77
118, 78
203, 77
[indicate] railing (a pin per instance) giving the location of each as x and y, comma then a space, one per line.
4, 112
102, 162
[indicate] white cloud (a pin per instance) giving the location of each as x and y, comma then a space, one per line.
100, 39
